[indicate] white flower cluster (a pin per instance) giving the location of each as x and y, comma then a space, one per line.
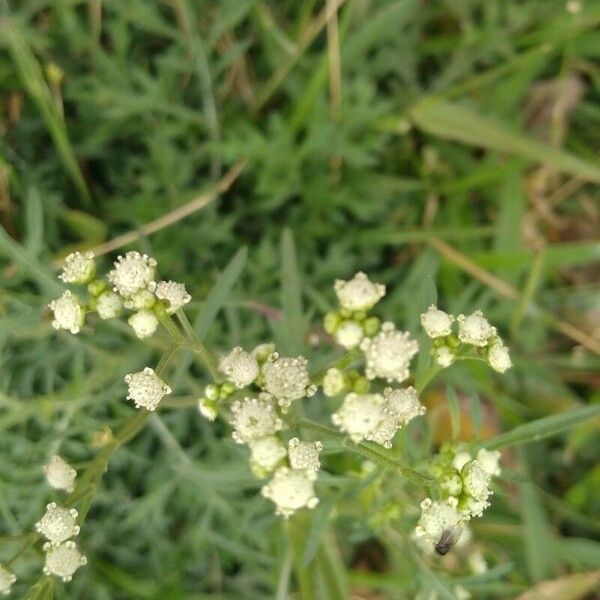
146, 389
133, 287
389, 353
255, 422
351, 323
254, 418
60, 474
7, 580
284, 379
59, 524
63, 560
377, 417
473, 330
291, 490
464, 483
240, 367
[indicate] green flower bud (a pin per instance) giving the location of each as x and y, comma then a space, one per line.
361, 385
212, 391
331, 321
227, 389
96, 287
371, 326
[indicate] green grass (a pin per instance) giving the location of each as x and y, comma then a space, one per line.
116, 113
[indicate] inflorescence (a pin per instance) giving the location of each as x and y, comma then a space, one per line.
259, 392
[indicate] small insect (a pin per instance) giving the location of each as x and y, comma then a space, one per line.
448, 538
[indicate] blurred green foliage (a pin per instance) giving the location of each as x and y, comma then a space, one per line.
474, 122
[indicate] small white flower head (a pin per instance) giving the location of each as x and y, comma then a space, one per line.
436, 322
60, 474
267, 453
384, 432
334, 382
174, 293
146, 389
476, 484
461, 458
475, 329
349, 334
132, 273
461, 593
443, 356
7, 579
63, 560
143, 323
477, 562
499, 358
286, 378
58, 524
208, 408
359, 416
389, 353
240, 367
437, 516
109, 305
402, 405
489, 461
254, 418
451, 483
142, 300
79, 268
68, 312
358, 293
304, 455
291, 490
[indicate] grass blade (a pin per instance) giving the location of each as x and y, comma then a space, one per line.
214, 302
291, 328
33, 80
13, 250
539, 543
542, 428
220, 293
460, 124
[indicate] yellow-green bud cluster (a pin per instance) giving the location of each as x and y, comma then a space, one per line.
214, 393
336, 382
465, 479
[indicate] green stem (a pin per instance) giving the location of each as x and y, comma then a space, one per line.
368, 451
187, 339
342, 363
165, 359
197, 346
305, 574
423, 381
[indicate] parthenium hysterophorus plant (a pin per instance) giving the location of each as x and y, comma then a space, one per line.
257, 392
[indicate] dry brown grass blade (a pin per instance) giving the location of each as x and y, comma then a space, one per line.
568, 587
335, 77
181, 212
506, 290
306, 37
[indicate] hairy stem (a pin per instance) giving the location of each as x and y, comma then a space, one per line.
368, 451
187, 339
